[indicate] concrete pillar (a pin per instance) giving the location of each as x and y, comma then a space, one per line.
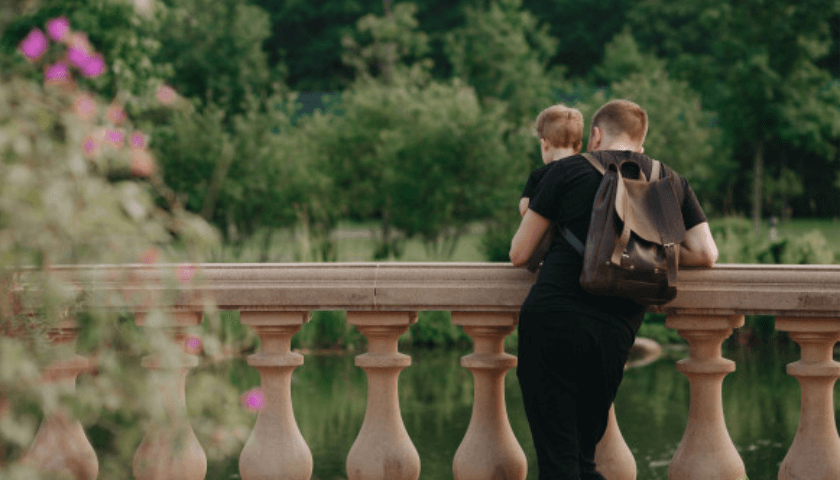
61, 446
489, 450
383, 449
815, 452
170, 449
706, 450
276, 449
613, 458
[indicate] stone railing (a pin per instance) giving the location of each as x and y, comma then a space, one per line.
381, 300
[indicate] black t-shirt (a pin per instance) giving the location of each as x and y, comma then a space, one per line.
534, 180
565, 195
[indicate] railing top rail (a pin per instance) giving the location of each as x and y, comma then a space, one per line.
785, 290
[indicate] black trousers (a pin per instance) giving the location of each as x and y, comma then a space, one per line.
570, 367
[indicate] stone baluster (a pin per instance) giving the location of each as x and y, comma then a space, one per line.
276, 449
815, 452
489, 450
706, 450
170, 450
613, 458
383, 449
61, 446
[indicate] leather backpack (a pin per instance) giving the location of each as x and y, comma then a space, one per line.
635, 231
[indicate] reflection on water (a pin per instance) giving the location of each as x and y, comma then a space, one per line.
761, 404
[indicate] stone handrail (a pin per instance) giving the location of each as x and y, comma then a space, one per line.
382, 300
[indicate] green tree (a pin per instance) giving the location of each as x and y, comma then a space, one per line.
757, 64
253, 177
128, 38
681, 133
502, 51
215, 49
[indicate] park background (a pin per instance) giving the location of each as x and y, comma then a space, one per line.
362, 130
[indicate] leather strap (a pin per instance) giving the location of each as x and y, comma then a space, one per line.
654, 170
594, 161
572, 239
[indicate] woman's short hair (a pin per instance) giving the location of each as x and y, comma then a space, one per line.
622, 117
561, 127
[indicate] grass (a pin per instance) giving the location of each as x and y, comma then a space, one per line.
354, 244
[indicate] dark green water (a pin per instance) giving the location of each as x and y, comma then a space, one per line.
761, 404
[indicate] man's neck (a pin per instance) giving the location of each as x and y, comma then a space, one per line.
619, 144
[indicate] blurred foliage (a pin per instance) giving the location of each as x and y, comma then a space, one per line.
79, 186
503, 52
215, 51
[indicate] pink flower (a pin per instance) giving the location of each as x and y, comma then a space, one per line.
34, 45
116, 114
166, 94
192, 344
79, 41
91, 64
57, 73
138, 140
150, 256
115, 137
85, 107
254, 399
94, 66
186, 272
58, 28
77, 56
142, 165
91, 146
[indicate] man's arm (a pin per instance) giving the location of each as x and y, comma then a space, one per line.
698, 249
531, 232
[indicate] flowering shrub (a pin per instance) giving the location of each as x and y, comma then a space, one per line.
80, 185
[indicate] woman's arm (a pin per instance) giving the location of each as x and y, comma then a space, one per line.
531, 231
698, 249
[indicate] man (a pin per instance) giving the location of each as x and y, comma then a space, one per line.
573, 345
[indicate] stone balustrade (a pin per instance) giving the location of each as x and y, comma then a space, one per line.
382, 300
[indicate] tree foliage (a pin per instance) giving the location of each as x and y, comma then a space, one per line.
79, 185
502, 51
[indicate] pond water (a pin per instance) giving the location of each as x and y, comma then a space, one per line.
761, 404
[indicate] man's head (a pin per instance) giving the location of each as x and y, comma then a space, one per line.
559, 128
619, 125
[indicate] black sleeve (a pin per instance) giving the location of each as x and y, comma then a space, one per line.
530, 185
545, 200
691, 210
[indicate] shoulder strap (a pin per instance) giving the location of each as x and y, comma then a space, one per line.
572, 239
595, 163
654, 171
564, 230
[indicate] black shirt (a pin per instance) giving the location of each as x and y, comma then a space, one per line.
564, 194
534, 180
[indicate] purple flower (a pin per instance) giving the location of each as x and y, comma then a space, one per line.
77, 56
137, 140
116, 137
254, 399
94, 66
57, 73
166, 94
186, 272
192, 344
58, 28
34, 45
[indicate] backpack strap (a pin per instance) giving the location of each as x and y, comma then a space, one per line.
564, 230
572, 239
594, 161
654, 170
